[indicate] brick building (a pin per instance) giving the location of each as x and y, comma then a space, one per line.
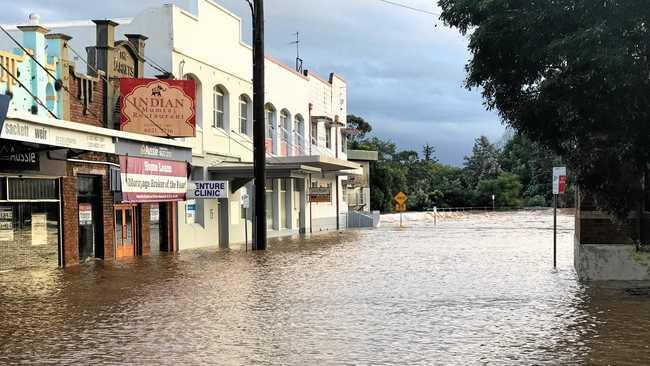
60, 180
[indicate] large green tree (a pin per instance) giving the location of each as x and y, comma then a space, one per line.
572, 75
483, 163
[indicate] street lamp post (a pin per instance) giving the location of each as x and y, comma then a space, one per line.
259, 148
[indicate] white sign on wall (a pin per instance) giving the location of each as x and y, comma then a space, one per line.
207, 190
190, 211
48, 135
39, 229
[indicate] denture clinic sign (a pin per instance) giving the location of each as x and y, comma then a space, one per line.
158, 107
152, 180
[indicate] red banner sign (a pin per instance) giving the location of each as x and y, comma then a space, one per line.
158, 107
152, 180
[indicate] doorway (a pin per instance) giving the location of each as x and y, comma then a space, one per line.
125, 231
91, 243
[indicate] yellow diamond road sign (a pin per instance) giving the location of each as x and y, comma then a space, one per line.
401, 198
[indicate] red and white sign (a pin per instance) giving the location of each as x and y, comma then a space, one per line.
152, 180
559, 180
158, 107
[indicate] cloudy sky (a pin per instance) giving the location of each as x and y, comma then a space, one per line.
404, 68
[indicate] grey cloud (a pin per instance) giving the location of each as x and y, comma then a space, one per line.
404, 73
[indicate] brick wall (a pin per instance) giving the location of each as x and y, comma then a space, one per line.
71, 208
145, 228
88, 108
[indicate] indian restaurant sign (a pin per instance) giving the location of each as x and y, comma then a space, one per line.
156, 107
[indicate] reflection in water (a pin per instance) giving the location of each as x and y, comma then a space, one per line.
473, 289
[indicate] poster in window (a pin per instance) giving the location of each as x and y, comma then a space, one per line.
39, 229
85, 214
6, 223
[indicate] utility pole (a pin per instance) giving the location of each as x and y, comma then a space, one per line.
259, 148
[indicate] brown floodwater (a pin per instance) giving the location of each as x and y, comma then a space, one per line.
475, 289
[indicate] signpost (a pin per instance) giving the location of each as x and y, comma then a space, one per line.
400, 205
559, 187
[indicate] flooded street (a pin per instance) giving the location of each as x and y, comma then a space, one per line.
474, 289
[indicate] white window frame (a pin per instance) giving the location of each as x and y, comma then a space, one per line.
218, 111
243, 115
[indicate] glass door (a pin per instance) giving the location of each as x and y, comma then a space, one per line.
124, 231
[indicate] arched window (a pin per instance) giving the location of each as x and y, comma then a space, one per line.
284, 125
219, 108
245, 114
299, 131
199, 101
269, 119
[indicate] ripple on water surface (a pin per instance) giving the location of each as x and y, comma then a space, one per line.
476, 288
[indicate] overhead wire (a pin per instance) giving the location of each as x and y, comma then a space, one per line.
36, 98
409, 7
58, 83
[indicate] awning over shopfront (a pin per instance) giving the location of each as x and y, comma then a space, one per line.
273, 170
242, 173
326, 164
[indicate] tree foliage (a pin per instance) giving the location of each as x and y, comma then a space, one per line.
574, 77
518, 174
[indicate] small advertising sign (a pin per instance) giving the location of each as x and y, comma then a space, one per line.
245, 201
320, 194
559, 180
85, 214
39, 229
152, 180
190, 212
158, 107
6, 223
207, 190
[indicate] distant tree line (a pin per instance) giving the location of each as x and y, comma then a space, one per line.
518, 173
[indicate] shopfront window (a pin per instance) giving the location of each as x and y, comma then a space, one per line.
29, 231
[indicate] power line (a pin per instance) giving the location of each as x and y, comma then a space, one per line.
37, 99
389, 2
57, 81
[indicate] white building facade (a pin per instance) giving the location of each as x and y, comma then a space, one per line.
305, 119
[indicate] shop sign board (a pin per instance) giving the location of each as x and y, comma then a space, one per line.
559, 180
39, 229
152, 180
16, 157
6, 223
156, 107
48, 135
85, 214
155, 151
208, 190
320, 194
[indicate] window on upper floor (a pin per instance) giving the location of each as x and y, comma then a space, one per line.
219, 104
299, 130
269, 119
244, 115
284, 125
328, 137
314, 133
